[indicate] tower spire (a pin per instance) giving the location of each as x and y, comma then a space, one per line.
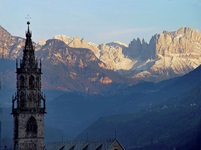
28, 60
28, 105
28, 22
28, 35
28, 31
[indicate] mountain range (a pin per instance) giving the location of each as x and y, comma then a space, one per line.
171, 121
114, 83
73, 64
174, 124
64, 68
167, 55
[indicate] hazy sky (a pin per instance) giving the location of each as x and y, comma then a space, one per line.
99, 21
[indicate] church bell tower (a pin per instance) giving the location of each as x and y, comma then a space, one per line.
28, 104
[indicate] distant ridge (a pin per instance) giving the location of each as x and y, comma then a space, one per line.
172, 124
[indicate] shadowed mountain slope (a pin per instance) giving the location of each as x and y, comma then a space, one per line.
174, 124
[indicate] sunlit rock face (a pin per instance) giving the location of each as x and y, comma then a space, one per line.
64, 68
167, 55
111, 53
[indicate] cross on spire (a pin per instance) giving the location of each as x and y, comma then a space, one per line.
28, 22
28, 18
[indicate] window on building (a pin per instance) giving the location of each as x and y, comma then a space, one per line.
22, 100
31, 102
31, 82
32, 126
22, 83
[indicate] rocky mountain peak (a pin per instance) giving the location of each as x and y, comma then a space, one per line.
10, 46
64, 38
110, 53
184, 30
117, 44
4, 33
74, 42
41, 42
169, 54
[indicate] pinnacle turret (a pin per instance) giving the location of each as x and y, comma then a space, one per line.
28, 60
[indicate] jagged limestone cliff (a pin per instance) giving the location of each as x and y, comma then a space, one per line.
167, 55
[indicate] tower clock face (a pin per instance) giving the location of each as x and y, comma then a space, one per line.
31, 96
31, 146
27, 146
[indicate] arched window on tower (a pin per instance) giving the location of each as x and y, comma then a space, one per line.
22, 83
22, 100
31, 82
31, 100
32, 127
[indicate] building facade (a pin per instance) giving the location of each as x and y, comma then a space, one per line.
28, 104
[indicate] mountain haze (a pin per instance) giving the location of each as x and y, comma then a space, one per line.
174, 124
82, 110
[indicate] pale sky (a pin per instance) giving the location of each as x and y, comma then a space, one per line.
99, 21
